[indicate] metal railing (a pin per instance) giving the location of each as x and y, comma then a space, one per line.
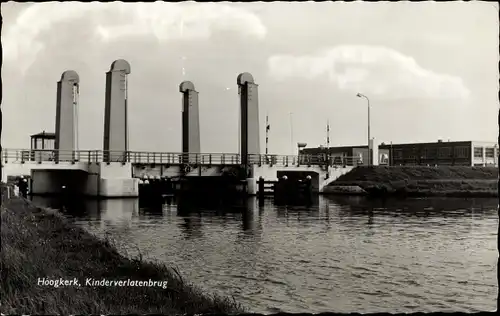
142, 157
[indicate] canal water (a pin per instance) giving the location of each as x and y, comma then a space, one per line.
340, 254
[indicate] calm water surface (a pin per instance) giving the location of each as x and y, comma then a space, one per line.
341, 254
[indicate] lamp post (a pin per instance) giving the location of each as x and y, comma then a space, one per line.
291, 132
359, 95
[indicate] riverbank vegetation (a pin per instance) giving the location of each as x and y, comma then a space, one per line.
457, 181
40, 243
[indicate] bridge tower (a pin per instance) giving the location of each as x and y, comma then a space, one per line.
249, 103
190, 121
66, 115
115, 115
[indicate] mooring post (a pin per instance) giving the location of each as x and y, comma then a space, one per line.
281, 187
308, 188
261, 188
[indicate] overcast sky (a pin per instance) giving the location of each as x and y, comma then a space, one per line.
430, 69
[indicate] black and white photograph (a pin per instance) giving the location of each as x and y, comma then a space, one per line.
185, 158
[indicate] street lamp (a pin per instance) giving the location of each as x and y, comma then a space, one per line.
291, 132
359, 95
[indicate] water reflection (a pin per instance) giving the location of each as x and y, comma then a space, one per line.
71, 206
440, 207
108, 212
251, 219
342, 254
118, 212
191, 226
305, 215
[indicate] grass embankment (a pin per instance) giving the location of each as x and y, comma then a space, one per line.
40, 243
423, 181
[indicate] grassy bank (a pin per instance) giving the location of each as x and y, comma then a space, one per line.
423, 181
40, 243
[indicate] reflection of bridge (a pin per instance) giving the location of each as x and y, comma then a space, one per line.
115, 171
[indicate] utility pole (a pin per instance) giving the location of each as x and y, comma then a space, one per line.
328, 136
328, 141
76, 91
391, 161
359, 95
291, 133
267, 134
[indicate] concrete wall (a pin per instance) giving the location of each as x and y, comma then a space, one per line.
24, 169
52, 181
116, 180
45, 182
92, 186
333, 174
270, 173
113, 180
67, 95
115, 116
301, 175
119, 188
142, 171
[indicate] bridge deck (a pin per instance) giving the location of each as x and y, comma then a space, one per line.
166, 158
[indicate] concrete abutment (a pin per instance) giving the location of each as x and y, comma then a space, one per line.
112, 180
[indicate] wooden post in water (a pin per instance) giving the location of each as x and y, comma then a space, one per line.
280, 188
261, 191
308, 189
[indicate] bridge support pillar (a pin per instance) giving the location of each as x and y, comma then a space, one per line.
190, 122
251, 186
66, 119
112, 180
116, 108
249, 103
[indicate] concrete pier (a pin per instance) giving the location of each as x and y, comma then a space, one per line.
95, 180
111, 180
115, 117
249, 103
66, 119
250, 128
191, 143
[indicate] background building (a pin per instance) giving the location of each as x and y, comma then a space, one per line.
457, 153
360, 152
461, 153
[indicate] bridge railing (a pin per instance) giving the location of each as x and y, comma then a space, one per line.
94, 156
183, 158
300, 160
48, 155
